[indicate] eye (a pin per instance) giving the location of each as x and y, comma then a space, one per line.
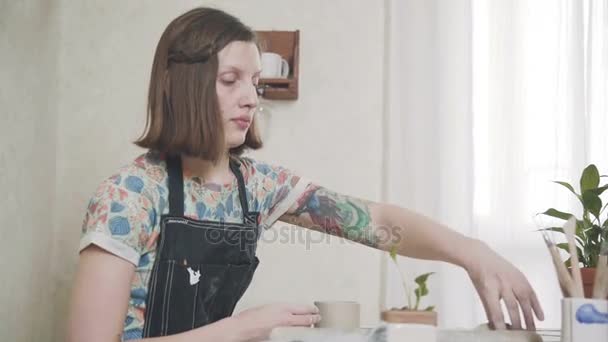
228, 78
227, 81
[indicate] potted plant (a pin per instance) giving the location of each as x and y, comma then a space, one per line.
591, 230
413, 311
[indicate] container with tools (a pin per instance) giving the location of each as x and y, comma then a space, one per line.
583, 319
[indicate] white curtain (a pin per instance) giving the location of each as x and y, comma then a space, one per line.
488, 102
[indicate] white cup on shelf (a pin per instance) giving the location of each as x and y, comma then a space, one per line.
274, 66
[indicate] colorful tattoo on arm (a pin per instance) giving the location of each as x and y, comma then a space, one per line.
324, 210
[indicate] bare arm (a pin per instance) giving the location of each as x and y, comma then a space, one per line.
100, 298
101, 295
377, 225
383, 226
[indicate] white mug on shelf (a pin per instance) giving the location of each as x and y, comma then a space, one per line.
274, 66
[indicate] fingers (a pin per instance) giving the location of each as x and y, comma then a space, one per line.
528, 303
538, 311
526, 309
513, 308
302, 309
497, 319
302, 315
491, 304
501, 280
304, 320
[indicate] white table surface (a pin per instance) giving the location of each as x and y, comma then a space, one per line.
286, 334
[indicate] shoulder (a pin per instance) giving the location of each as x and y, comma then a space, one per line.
123, 211
144, 176
268, 174
262, 169
254, 166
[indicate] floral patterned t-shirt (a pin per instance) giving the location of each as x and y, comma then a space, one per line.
123, 216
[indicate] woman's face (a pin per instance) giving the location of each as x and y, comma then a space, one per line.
237, 78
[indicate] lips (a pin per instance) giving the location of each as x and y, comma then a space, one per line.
243, 122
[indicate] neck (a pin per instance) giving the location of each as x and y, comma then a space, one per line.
211, 172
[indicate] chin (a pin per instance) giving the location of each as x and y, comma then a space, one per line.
235, 141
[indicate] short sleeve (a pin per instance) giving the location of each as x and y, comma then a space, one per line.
119, 218
279, 189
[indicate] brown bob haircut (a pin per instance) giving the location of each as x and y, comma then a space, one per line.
183, 113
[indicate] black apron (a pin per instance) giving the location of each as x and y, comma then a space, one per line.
202, 268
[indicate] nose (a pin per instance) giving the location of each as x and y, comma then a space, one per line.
249, 97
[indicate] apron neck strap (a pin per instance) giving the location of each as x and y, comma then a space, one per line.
176, 186
235, 167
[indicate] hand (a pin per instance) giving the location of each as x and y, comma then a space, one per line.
495, 279
255, 324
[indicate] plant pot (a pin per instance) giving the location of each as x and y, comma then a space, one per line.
409, 317
588, 275
405, 325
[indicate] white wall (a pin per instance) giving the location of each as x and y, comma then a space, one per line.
332, 134
28, 45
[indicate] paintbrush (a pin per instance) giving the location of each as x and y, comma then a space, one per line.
569, 229
563, 276
600, 287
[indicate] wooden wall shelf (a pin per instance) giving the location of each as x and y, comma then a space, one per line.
286, 44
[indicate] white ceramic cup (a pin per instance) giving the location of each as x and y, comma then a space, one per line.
341, 315
274, 66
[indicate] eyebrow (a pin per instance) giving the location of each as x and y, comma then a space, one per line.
231, 68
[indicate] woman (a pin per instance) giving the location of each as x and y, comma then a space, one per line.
169, 241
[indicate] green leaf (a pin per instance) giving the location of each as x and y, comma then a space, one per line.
597, 239
563, 246
600, 190
421, 279
592, 203
568, 262
421, 291
590, 178
585, 225
567, 186
578, 238
557, 214
594, 233
582, 258
430, 308
552, 229
592, 261
581, 226
393, 253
